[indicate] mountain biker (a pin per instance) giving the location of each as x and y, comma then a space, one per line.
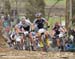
58, 31
39, 25
24, 26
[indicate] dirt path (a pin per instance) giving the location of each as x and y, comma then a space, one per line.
6, 53
35, 55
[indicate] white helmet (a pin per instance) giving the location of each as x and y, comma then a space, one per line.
38, 14
23, 17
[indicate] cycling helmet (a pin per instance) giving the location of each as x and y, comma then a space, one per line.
38, 14
23, 17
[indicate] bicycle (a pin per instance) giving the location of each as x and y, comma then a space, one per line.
19, 41
27, 43
43, 39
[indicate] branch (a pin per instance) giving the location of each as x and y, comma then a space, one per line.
52, 7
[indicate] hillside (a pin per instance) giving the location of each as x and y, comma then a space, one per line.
2, 41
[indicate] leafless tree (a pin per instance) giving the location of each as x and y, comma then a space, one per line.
34, 6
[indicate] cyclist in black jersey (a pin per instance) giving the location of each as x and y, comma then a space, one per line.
39, 27
58, 29
40, 21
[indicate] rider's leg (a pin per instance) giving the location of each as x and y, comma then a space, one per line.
21, 43
47, 34
58, 42
39, 36
32, 41
47, 38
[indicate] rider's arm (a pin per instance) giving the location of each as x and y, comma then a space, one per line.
52, 32
63, 29
47, 23
17, 30
34, 23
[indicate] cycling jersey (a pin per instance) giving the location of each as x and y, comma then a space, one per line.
57, 30
39, 23
25, 26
